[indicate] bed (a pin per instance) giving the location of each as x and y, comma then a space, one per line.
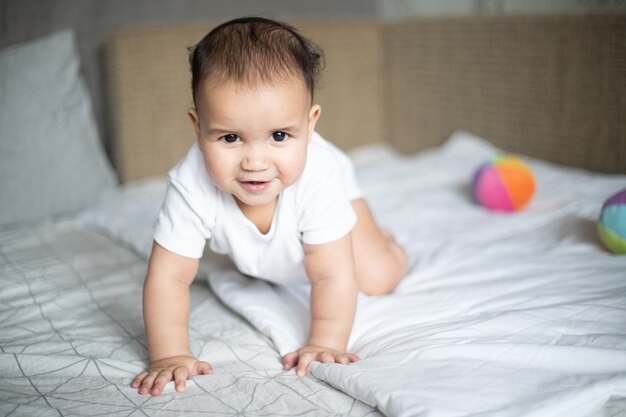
518, 314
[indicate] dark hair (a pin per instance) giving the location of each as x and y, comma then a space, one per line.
253, 49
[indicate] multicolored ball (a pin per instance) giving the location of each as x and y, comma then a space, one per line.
612, 223
504, 183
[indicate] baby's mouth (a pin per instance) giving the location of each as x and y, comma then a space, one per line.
255, 186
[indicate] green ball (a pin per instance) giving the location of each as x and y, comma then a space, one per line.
612, 223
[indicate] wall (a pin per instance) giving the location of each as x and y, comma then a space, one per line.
392, 9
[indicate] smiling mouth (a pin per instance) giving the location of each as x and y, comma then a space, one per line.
255, 186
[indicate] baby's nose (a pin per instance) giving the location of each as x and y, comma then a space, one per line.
255, 158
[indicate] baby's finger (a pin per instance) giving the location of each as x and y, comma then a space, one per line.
342, 359
325, 357
148, 381
202, 368
290, 360
303, 363
180, 378
346, 358
137, 381
159, 383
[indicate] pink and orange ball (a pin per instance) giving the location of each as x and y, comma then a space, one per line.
504, 183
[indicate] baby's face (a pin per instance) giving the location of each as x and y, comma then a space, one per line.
254, 139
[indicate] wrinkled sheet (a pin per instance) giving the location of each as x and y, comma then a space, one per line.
519, 314
72, 337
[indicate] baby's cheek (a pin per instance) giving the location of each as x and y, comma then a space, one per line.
296, 166
217, 169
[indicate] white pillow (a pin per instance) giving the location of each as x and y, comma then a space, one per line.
51, 158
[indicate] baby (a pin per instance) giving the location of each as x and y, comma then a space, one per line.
263, 187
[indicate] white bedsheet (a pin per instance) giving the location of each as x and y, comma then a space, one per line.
500, 315
72, 338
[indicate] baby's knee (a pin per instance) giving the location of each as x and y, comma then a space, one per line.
379, 289
380, 279
394, 249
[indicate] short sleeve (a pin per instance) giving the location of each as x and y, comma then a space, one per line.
326, 213
181, 226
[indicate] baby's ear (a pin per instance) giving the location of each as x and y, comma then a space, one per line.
314, 115
195, 120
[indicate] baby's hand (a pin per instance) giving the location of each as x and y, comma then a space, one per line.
310, 353
176, 368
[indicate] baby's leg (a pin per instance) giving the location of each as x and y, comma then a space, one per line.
380, 261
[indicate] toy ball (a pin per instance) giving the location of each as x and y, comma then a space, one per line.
612, 223
504, 183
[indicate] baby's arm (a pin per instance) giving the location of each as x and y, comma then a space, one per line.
330, 268
166, 318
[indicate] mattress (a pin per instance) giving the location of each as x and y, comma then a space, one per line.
518, 314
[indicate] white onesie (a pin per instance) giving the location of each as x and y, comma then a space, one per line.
315, 209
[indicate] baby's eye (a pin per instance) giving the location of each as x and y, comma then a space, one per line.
230, 138
280, 136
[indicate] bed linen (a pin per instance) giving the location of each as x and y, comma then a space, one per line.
501, 314
518, 314
72, 336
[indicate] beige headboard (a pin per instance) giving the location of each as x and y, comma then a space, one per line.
547, 86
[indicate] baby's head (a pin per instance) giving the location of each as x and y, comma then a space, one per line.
252, 51
253, 81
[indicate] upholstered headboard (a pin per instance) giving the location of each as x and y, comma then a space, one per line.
547, 86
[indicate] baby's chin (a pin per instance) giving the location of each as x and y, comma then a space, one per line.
258, 194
